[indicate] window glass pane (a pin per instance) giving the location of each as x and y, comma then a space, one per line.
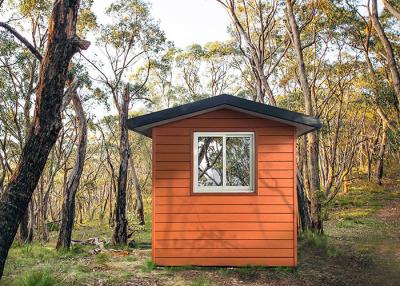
238, 161
210, 169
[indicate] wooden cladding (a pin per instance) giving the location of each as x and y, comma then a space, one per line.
229, 229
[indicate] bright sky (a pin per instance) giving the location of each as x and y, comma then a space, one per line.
186, 21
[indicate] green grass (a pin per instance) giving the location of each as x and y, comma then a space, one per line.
201, 281
33, 278
355, 236
148, 266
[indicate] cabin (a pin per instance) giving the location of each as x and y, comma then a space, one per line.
224, 182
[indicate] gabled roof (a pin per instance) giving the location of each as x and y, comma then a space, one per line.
143, 124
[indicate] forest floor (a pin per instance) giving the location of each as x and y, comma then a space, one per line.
361, 246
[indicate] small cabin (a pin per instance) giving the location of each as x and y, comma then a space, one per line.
224, 182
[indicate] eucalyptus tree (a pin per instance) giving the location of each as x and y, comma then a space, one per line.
261, 38
62, 44
127, 42
390, 55
312, 137
20, 61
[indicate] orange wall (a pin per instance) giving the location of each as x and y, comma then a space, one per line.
224, 229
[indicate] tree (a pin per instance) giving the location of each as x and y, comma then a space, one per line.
132, 37
256, 24
313, 142
390, 57
120, 234
62, 44
68, 209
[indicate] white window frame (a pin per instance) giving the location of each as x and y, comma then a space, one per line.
223, 188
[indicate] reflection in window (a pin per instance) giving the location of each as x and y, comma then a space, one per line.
210, 161
238, 161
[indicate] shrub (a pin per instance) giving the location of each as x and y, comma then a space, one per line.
148, 266
37, 278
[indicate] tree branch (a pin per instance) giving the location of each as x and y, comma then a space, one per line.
24, 41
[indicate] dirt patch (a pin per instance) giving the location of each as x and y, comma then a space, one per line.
142, 281
390, 212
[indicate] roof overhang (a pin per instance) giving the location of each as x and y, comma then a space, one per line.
303, 123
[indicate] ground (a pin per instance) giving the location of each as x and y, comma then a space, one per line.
361, 246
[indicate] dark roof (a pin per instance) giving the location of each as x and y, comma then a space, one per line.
143, 124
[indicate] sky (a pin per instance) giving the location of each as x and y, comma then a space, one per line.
186, 21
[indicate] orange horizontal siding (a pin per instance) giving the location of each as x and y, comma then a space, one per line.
172, 183
170, 192
173, 157
172, 148
225, 243
171, 166
176, 140
224, 209
266, 139
280, 183
275, 174
275, 165
281, 194
283, 130
172, 131
276, 157
260, 226
266, 261
217, 252
275, 148
225, 200
274, 191
172, 174
223, 234
223, 217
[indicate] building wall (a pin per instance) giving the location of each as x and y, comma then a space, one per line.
224, 229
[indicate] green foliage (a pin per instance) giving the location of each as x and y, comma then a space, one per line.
319, 241
37, 278
201, 281
148, 266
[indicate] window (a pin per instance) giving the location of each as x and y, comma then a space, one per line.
223, 162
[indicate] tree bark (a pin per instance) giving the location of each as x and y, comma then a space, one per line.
390, 57
31, 221
139, 200
381, 155
23, 228
68, 209
312, 137
120, 234
62, 44
391, 9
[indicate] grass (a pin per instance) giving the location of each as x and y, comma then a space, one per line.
359, 246
32, 278
202, 281
148, 266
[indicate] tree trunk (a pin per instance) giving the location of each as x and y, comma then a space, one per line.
139, 200
120, 235
390, 57
62, 44
302, 202
23, 228
313, 141
381, 155
31, 221
68, 209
